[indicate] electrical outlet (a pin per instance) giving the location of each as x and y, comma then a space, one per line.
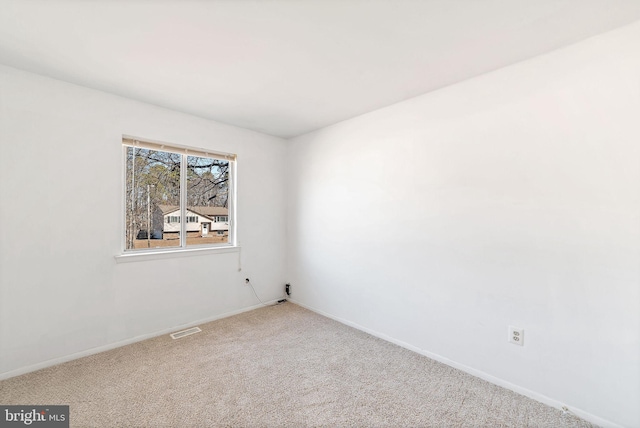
516, 335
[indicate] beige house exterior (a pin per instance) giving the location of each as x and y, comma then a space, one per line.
200, 221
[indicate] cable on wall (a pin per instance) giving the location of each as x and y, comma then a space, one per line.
248, 282
254, 292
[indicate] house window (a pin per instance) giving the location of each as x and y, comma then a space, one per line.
164, 184
222, 218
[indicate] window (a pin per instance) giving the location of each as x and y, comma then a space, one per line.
164, 184
222, 218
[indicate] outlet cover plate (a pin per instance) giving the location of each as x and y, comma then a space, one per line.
516, 335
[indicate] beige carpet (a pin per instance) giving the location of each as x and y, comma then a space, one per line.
276, 366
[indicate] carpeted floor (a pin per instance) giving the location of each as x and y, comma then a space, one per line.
276, 366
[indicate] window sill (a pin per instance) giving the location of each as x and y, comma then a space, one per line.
170, 254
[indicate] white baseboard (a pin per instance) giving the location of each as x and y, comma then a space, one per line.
86, 353
477, 373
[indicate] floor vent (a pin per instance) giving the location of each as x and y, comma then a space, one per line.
183, 333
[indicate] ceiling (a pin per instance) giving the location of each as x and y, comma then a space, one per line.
287, 67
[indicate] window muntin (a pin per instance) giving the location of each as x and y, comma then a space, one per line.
163, 187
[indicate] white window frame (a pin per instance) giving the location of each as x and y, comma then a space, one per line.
183, 249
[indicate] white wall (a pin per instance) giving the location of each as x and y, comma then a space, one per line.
61, 290
509, 199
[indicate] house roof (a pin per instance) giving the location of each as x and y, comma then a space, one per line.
205, 211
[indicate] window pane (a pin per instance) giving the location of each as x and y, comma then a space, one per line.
207, 198
152, 192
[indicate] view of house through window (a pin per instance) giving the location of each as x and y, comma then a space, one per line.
156, 183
